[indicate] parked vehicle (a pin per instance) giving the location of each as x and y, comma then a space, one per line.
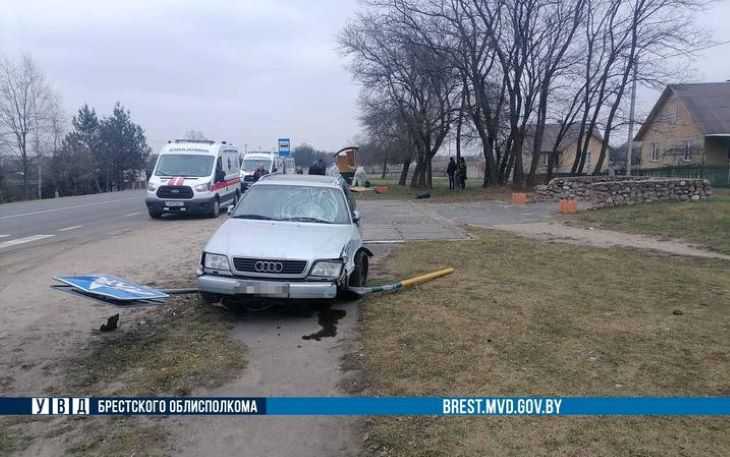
290, 236
194, 177
257, 164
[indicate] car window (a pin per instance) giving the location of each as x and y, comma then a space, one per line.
186, 165
254, 164
348, 194
294, 204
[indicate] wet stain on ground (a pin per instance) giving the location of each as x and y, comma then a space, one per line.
327, 319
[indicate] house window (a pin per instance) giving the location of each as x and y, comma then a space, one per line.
546, 159
687, 155
654, 152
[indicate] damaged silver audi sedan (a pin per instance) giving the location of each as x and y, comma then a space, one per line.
290, 236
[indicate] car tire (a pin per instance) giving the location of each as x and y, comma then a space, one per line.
359, 276
215, 208
155, 214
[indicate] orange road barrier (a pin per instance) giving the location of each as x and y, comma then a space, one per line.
568, 205
519, 198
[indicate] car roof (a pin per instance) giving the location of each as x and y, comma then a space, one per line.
300, 180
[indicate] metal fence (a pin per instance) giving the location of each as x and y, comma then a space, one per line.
718, 176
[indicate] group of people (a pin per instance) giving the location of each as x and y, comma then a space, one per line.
457, 174
318, 168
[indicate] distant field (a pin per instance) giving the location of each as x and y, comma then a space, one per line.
706, 222
524, 317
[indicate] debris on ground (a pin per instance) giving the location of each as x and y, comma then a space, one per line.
111, 324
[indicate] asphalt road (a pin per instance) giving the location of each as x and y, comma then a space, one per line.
28, 225
41, 222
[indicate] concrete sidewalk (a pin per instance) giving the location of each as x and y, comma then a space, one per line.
401, 220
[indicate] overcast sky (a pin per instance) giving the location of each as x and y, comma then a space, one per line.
247, 71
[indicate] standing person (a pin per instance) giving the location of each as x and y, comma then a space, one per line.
462, 173
457, 175
450, 170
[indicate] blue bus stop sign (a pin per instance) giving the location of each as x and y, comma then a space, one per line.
112, 287
284, 147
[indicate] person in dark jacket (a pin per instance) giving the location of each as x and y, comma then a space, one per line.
318, 168
450, 170
462, 173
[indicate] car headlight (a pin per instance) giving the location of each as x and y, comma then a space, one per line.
215, 262
330, 269
202, 187
151, 187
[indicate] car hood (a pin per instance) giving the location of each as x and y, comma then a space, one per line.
279, 240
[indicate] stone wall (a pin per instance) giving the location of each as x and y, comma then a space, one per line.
604, 191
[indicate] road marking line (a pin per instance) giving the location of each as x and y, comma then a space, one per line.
10, 243
67, 207
4, 236
133, 214
73, 227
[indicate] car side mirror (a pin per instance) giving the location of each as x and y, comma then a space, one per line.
356, 216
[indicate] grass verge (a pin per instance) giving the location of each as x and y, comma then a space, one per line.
439, 193
522, 317
706, 222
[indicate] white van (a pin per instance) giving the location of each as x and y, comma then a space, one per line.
267, 162
194, 177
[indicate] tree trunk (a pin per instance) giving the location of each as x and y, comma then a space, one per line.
539, 133
416, 172
404, 172
458, 135
429, 175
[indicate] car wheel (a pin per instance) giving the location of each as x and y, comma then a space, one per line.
359, 277
155, 214
216, 209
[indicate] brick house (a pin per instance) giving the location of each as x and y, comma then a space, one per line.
688, 126
566, 150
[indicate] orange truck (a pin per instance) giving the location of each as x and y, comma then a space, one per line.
345, 162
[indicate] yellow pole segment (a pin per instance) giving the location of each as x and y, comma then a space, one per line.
425, 278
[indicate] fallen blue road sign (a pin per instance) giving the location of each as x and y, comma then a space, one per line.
112, 287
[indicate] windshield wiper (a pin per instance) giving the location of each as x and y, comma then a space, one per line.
306, 219
254, 216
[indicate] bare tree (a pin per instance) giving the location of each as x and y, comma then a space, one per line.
196, 135
387, 134
513, 64
26, 107
388, 57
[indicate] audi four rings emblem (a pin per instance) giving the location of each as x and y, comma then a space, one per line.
268, 267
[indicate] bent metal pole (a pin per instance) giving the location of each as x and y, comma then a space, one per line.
405, 284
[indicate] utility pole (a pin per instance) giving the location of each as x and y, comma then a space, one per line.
632, 110
40, 177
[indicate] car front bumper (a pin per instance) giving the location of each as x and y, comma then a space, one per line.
192, 206
226, 285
